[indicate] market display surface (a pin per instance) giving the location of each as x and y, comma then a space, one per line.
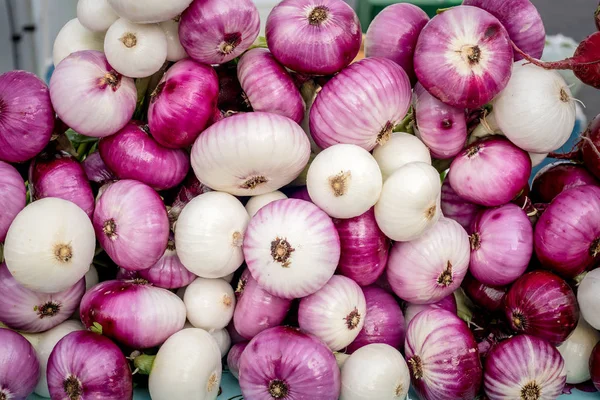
190, 211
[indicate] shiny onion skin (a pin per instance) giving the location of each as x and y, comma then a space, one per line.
26, 116
595, 366
183, 103
455, 207
19, 366
13, 196
557, 177
543, 305
314, 37
489, 297
353, 110
168, 272
442, 357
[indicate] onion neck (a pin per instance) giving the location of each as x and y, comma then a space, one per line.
278, 389
339, 183
519, 320
416, 367
230, 42
475, 241
3, 395
445, 279
595, 248
156, 92
471, 54
111, 79
129, 40
472, 151
63, 253
353, 319
49, 309
241, 286
564, 96
237, 239
318, 15
73, 388
385, 133
531, 391
253, 182
399, 390
281, 251
227, 300
110, 229
171, 245
430, 212
212, 382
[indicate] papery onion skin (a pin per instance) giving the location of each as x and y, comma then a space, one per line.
448, 303
168, 272
442, 357
401, 149
595, 366
455, 207
330, 31
95, 169
285, 359
489, 297
183, 103
558, 245
233, 358
338, 113
73, 37
20, 366
26, 116
577, 350
543, 305
537, 369
557, 177
158, 312
13, 196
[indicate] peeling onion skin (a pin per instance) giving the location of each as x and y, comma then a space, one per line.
21, 368
13, 196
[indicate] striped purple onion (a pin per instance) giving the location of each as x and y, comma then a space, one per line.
19, 366
13, 196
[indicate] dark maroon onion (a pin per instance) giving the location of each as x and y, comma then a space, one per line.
168, 272
591, 147
230, 91
19, 366
13, 196
557, 177
595, 366
233, 358
489, 297
96, 170
457, 208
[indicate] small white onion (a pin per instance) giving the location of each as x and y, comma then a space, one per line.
209, 234
148, 11
257, 202
588, 297
576, 352
75, 37
401, 149
175, 50
96, 15
410, 202
209, 303
344, 180
50, 245
135, 50
223, 339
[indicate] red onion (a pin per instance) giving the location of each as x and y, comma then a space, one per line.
13, 196
427, 269
182, 104
567, 235
19, 366
457, 208
133, 313
501, 245
489, 297
168, 272
448, 303
364, 248
214, 32
133, 154
557, 177
490, 172
314, 37
442, 357
96, 170
283, 362
190, 188
256, 309
524, 367
230, 91
26, 116
131, 224
233, 358
591, 147
393, 34
87, 365
384, 322
472, 49
339, 115
595, 366
541, 304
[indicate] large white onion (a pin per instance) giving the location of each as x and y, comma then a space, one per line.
73, 37
576, 352
96, 15
149, 10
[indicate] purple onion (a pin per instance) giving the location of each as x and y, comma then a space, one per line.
543, 305
567, 234
338, 113
190, 188
393, 34
233, 358
19, 366
557, 177
132, 313
26, 116
464, 57
595, 366
448, 303
234, 335
168, 272
85, 365
282, 362
131, 224
489, 297
314, 37
384, 322
457, 208
182, 104
490, 172
13, 196
96, 170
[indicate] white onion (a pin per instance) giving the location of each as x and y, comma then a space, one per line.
135, 50
536, 110
175, 50
588, 297
257, 202
401, 149
344, 180
50, 245
96, 15
209, 303
75, 37
410, 202
209, 234
223, 339
375, 371
576, 352
148, 11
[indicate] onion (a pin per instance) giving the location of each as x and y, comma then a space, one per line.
591, 147
448, 303
73, 37
19, 366
314, 38
383, 321
13, 196
73, 368
209, 303
588, 298
344, 181
175, 50
157, 313
576, 352
215, 32
442, 357
490, 172
543, 305
168, 272
250, 154
230, 91
536, 110
489, 297
292, 248
189, 189
557, 177
150, 11
300, 193
256, 309
282, 361
131, 225
409, 204
353, 110
567, 235
90, 96
401, 149
473, 49
456, 208
536, 370
393, 34
95, 169
233, 358
213, 248
96, 15
183, 103
257, 202
27, 117
50, 245
222, 338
